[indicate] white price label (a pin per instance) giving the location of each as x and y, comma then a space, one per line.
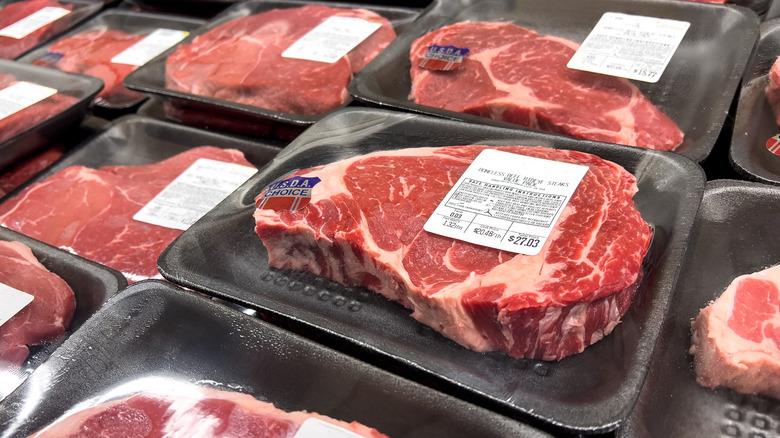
332, 39
506, 201
152, 45
630, 46
20, 95
33, 22
316, 428
11, 302
193, 193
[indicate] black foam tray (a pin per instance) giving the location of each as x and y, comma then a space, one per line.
156, 335
593, 391
735, 234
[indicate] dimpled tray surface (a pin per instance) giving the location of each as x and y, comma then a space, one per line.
711, 56
92, 284
755, 123
221, 255
155, 335
735, 234
151, 77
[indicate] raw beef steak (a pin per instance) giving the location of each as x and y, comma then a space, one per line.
31, 166
736, 339
32, 115
241, 61
200, 412
364, 226
46, 317
90, 212
515, 75
90, 53
11, 48
773, 89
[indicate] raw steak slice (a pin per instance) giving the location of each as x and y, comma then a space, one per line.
773, 89
202, 412
18, 174
10, 48
90, 53
736, 339
364, 224
241, 61
45, 318
515, 75
90, 212
25, 119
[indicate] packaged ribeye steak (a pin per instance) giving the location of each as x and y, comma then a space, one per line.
92, 212
516, 75
363, 226
112, 45
247, 60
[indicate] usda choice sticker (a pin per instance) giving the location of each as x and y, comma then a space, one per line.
506, 201
630, 46
287, 194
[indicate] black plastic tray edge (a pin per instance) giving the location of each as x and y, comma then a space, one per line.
738, 149
312, 322
135, 80
70, 116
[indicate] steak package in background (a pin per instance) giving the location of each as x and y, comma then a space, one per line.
93, 197
376, 237
508, 65
67, 290
39, 104
112, 45
254, 60
755, 142
27, 23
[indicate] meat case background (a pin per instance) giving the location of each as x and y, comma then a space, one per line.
493, 395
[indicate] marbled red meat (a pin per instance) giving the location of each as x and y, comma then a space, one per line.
241, 61
16, 175
364, 226
736, 339
46, 318
90, 211
206, 413
90, 53
11, 48
515, 75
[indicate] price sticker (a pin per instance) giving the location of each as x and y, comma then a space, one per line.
12, 301
33, 22
316, 428
630, 46
332, 39
506, 201
148, 48
194, 193
21, 95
